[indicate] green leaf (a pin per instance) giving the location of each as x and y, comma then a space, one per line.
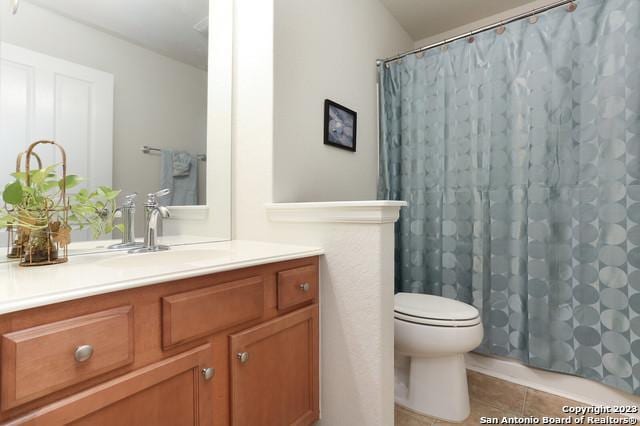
112, 195
12, 193
108, 193
38, 176
19, 175
48, 186
71, 181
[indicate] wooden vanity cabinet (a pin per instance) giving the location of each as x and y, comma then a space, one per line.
170, 353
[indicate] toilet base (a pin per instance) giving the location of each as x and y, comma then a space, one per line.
437, 388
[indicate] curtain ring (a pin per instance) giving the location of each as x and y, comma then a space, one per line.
571, 7
501, 29
420, 54
471, 39
444, 46
533, 19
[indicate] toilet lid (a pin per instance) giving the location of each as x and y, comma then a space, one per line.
434, 310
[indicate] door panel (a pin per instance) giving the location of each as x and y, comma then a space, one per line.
16, 114
43, 97
276, 384
166, 404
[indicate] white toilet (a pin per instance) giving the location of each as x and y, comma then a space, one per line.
432, 334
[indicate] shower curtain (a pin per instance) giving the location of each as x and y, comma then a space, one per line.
518, 155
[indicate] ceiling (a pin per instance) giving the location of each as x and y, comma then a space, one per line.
164, 26
426, 18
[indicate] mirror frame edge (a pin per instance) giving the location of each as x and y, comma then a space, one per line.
214, 218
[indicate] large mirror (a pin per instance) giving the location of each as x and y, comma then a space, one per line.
121, 85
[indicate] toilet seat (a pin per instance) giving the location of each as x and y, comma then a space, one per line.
432, 310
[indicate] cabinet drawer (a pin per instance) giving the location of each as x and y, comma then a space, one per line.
197, 313
40, 360
297, 286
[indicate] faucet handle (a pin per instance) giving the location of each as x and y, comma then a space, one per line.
163, 192
152, 198
130, 199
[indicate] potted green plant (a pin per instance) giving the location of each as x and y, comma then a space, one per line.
37, 205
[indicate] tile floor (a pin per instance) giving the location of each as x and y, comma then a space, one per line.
491, 397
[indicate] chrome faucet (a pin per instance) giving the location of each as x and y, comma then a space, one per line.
152, 212
127, 213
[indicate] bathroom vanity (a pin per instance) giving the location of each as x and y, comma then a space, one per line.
228, 337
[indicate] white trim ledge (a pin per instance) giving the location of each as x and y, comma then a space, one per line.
367, 212
189, 212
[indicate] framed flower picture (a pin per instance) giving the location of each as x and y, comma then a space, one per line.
340, 124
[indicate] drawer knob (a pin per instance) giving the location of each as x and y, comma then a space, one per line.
208, 373
305, 287
243, 357
83, 353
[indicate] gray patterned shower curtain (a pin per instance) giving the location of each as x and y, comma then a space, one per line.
518, 156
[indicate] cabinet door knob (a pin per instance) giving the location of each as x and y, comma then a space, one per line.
83, 353
243, 357
208, 373
305, 287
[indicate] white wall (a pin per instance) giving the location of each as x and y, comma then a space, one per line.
356, 317
288, 57
327, 49
158, 101
252, 127
482, 22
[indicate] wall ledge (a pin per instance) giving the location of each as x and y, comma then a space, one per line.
199, 213
368, 212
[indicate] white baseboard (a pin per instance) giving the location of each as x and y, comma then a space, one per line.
564, 385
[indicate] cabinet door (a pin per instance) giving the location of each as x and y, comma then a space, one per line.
171, 392
274, 371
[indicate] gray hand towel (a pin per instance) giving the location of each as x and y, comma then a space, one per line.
184, 187
181, 163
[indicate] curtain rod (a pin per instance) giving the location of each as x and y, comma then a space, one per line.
478, 30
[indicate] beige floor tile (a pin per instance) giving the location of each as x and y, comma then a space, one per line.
541, 404
497, 393
479, 409
404, 417
492, 397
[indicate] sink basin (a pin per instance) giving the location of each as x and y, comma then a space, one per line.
155, 259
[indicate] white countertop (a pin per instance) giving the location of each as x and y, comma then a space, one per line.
91, 274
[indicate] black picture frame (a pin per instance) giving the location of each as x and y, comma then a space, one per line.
329, 138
